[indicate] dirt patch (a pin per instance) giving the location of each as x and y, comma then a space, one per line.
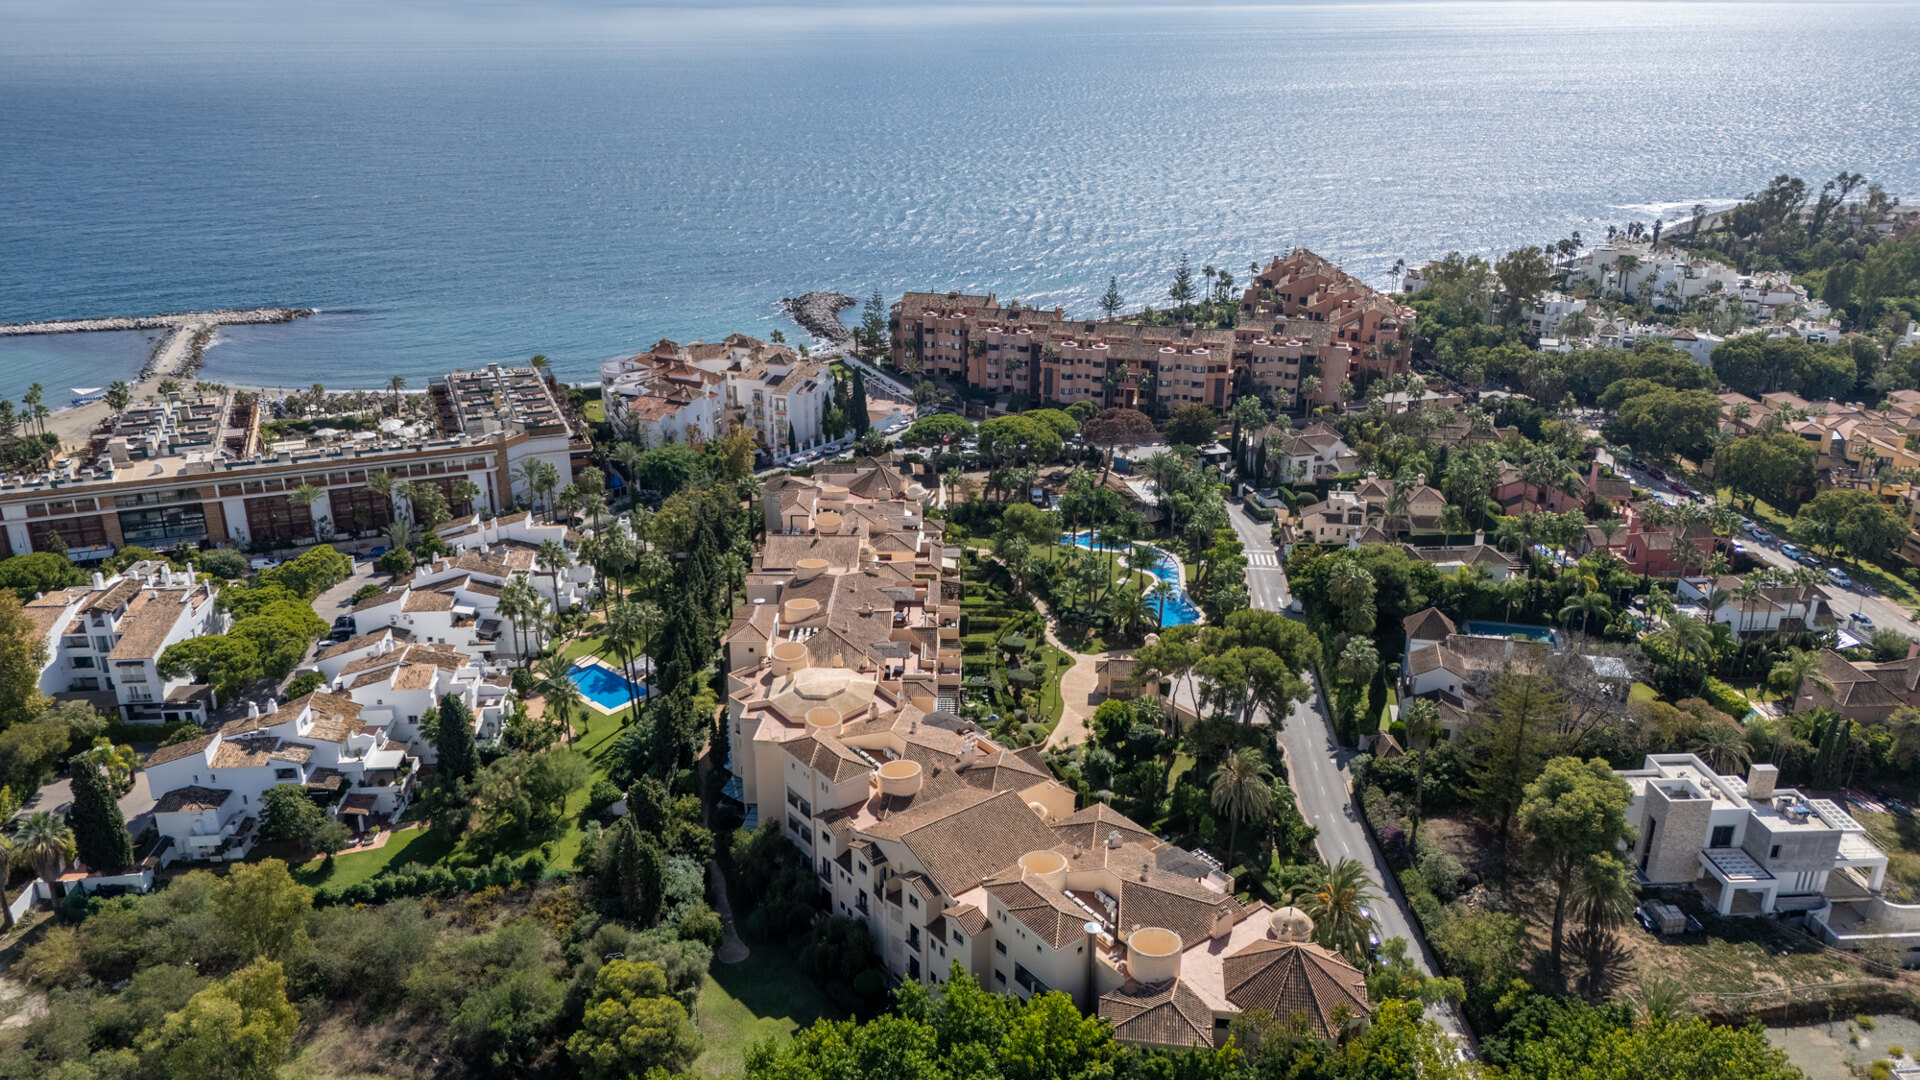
1474, 844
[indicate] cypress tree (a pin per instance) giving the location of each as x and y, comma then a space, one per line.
99, 829
453, 741
857, 407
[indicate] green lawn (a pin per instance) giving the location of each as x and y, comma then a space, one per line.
763, 997
595, 411
597, 735
1642, 692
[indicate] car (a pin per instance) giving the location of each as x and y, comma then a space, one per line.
344, 620
1682, 489
340, 634
1655, 472
262, 562
1839, 577
1758, 533
1861, 620
1791, 551
1739, 548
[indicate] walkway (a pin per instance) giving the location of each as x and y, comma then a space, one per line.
732, 949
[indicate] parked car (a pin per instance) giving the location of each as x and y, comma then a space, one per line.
1758, 533
1682, 489
263, 562
1791, 551
1839, 577
1655, 472
344, 620
1808, 560
1860, 620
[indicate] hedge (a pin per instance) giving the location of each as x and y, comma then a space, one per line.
417, 880
1259, 513
119, 731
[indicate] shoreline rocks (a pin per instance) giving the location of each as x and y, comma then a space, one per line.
222, 317
818, 313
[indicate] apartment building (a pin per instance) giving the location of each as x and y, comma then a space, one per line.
104, 641
1305, 316
1670, 276
952, 847
193, 471
1749, 847
208, 790
396, 684
658, 397
1301, 315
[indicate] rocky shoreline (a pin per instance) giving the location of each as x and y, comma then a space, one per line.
818, 313
222, 317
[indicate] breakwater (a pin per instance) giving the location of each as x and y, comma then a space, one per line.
175, 321
818, 313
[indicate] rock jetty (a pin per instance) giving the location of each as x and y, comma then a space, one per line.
224, 317
818, 313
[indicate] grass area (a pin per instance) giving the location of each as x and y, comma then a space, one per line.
596, 735
596, 411
764, 997
1737, 956
1052, 704
1642, 692
1899, 837
1182, 765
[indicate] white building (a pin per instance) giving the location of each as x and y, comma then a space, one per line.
1764, 613
396, 684
1750, 848
1544, 317
656, 399
108, 638
1666, 274
208, 790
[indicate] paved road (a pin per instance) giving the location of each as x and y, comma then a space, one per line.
1843, 600
1322, 785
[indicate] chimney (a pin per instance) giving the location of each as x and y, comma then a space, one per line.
1479, 537
273, 706
253, 710
99, 581
1760, 780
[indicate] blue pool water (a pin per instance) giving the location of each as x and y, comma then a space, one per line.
607, 689
1543, 634
1180, 609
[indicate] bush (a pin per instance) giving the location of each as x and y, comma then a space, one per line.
367, 592
226, 563
397, 563
302, 684
1726, 698
1440, 870
603, 794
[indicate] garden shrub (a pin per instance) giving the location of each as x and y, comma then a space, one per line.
1726, 698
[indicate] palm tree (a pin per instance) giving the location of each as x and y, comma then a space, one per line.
1334, 902
563, 697
527, 475
1724, 747
1795, 670
306, 495
1452, 520
1242, 790
630, 625
119, 395
552, 557
1422, 718
546, 482
46, 842
1603, 899
399, 534
383, 485
1586, 605
522, 604
1688, 639
1162, 592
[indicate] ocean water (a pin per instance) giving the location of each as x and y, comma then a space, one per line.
457, 185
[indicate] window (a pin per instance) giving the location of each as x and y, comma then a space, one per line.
913, 938
1000, 947
958, 939
1722, 836
913, 901
1776, 852
83, 661
1000, 977
861, 901
913, 967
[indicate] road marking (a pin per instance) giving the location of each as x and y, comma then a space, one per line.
1262, 558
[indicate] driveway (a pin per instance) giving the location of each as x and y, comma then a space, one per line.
1322, 785
56, 796
335, 601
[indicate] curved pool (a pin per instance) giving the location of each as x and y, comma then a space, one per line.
1180, 608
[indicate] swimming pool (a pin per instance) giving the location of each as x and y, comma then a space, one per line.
1483, 628
1180, 609
605, 687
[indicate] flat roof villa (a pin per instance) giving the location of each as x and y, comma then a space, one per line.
1748, 847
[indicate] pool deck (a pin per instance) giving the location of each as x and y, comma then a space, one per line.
586, 699
1179, 570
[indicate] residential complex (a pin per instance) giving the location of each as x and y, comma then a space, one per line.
104, 641
843, 686
690, 393
194, 470
208, 790
1301, 316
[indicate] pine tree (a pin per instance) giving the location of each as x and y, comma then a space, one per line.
99, 829
1512, 741
1111, 301
453, 741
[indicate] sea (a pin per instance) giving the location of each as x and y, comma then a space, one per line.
458, 184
